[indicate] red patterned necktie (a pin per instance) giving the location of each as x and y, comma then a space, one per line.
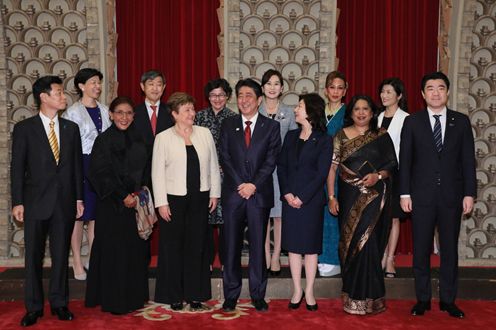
247, 133
153, 119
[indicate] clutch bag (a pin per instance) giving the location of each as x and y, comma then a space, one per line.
145, 212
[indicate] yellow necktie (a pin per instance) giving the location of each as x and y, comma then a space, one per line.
52, 139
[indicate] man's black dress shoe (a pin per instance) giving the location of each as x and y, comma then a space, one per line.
260, 305
452, 309
30, 318
177, 306
195, 305
420, 307
229, 305
293, 305
63, 313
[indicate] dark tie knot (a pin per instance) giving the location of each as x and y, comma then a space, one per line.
436, 117
248, 123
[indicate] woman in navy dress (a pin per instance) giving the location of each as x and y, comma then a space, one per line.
92, 118
302, 169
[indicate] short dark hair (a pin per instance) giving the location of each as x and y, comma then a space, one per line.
315, 108
217, 83
83, 76
434, 76
399, 88
251, 84
348, 121
269, 73
120, 100
44, 85
152, 74
335, 75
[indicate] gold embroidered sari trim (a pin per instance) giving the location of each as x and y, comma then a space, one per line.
363, 307
366, 196
366, 235
352, 145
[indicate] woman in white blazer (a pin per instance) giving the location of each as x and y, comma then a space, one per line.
92, 118
394, 107
186, 187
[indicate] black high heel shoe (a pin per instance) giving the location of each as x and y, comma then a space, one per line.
274, 272
312, 308
292, 305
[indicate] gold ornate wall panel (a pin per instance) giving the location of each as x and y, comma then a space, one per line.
40, 37
481, 227
295, 37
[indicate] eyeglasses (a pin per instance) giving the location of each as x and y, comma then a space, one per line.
123, 113
217, 96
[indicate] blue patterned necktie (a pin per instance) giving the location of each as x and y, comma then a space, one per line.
438, 138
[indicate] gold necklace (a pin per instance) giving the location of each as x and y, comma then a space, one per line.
359, 131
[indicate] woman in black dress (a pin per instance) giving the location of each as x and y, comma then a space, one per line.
302, 169
117, 278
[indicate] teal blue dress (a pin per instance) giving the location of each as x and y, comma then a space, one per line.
331, 227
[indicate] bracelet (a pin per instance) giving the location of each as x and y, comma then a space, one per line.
331, 197
379, 176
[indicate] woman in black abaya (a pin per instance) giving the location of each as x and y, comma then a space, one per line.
117, 278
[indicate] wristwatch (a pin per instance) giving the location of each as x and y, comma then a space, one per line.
331, 197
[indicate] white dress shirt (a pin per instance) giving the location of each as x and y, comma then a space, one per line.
46, 125
253, 122
149, 108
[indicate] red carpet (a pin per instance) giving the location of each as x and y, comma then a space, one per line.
401, 260
480, 315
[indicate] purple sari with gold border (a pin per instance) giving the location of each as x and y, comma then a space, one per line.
364, 218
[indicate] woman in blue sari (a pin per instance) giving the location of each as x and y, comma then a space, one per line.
335, 91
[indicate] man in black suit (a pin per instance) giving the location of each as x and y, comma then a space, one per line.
249, 146
46, 178
437, 184
150, 118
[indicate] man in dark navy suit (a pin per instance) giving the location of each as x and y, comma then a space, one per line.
437, 184
46, 179
150, 118
249, 146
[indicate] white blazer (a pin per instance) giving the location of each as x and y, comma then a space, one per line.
78, 114
169, 164
394, 128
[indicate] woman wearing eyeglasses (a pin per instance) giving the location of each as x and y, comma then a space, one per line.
117, 278
217, 92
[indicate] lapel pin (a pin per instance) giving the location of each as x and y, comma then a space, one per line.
237, 129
